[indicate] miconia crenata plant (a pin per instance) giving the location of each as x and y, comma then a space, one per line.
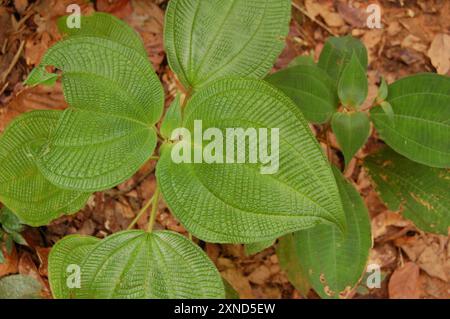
237, 161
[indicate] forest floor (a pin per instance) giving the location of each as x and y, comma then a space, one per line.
415, 37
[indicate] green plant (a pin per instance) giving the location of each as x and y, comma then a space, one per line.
51, 161
9, 232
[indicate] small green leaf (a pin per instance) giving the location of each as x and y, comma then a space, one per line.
337, 53
310, 88
41, 76
23, 188
115, 100
353, 86
172, 120
383, 90
420, 126
19, 287
302, 60
135, 264
352, 131
207, 40
18, 239
9, 244
254, 248
2, 257
289, 262
221, 200
332, 262
9, 220
420, 192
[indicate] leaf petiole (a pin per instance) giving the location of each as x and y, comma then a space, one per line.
154, 209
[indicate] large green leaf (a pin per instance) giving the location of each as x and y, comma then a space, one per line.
352, 131
240, 202
136, 264
420, 192
310, 88
105, 26
420, 126
353, 86
206, 40
338, 51
115, 99
23, 189
333, 262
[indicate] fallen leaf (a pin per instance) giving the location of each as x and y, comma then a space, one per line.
439, 53
404, 282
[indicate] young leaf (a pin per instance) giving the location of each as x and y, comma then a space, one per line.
254, 248
106, 26
387, 109
23, 188
352, 131
2, 257
332, 262
226, 201
353, 86
310, 88
289, 262
137, 264
383, 90
9, 220
207, 40
19, 287
418, 191
172, 120
337, 52
108, 132
420, 128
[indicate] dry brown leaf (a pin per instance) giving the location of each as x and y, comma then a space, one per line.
239, 282
260, 275
404, 282
11, 263
439, 53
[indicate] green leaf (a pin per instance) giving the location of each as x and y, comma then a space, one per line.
9, 220
248, 202
420, 128
106, 26
310, 88
289, 262
207, 40
254, 248
302, 60
420, 192
337, 53
64, 259
352, 131
353, 86
173, 119
2, 257
23, 188
19, 287
137, 264
383, 90
115, 100
9, 244
18, 238
334, 263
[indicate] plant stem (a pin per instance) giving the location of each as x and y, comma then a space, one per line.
141, 212
154, 211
